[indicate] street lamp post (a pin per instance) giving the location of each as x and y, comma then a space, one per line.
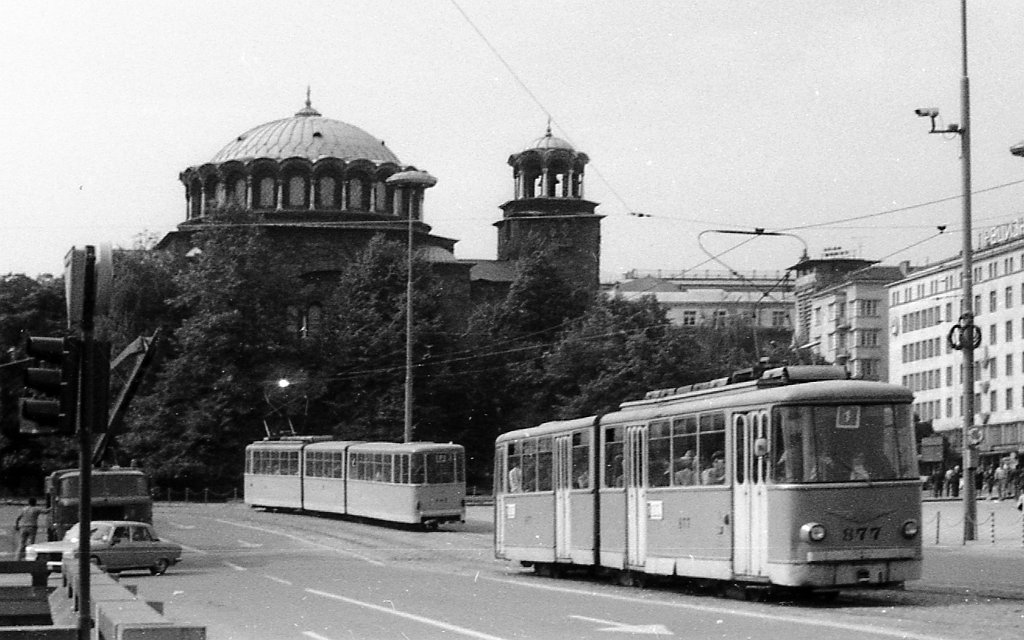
967, 329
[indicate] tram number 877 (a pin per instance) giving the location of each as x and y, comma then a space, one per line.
861, 533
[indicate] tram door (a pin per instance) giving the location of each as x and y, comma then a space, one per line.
750, 498
636, 496
563, 493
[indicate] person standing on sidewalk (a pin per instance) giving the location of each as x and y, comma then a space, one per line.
26, 525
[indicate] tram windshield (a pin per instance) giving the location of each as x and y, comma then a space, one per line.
843, 443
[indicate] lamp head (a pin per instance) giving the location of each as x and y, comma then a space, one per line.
929, 112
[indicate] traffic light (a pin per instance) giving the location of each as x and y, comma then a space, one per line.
52, 407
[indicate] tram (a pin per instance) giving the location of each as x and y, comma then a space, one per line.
420, 483
795, 476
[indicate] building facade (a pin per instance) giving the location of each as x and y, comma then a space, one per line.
924, 306
848, 320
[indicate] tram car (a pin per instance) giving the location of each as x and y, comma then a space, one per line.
794, 477
421, 483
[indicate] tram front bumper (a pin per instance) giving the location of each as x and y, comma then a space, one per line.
859, 573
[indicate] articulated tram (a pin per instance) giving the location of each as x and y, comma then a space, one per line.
414, 483
798, 478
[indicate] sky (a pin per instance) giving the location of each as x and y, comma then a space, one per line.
703, 115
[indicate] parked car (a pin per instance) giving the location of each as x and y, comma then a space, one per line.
114, 545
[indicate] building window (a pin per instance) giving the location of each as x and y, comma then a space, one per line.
949, 407
991, 301
780, 319
1009, 399
1009, 297
991, 334
993, 402
1009, 364
266, 198
868, 337
1009, 331
689, 318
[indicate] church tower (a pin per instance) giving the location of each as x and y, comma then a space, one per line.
548, 211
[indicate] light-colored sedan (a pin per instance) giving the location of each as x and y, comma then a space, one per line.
114, 545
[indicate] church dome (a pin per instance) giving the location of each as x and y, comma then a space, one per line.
548, 141
308, 135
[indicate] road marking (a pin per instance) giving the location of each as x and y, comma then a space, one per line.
848, 626
276, 579
409, 616
182, 526
303, 540
234, 566
185, 547
639, 629
250, 545
314, 635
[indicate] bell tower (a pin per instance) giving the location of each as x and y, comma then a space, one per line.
549, 213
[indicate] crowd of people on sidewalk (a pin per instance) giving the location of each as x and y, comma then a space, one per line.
1002, 481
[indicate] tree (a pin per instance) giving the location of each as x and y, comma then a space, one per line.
27, 307
208, 400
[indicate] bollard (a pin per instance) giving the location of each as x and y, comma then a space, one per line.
168, 494
186, 494
206, 496
993, 516
235, 494
938, 526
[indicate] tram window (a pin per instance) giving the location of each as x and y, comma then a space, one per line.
711, 440
613, 463
544, 469
659, 454
515, 467
402, 469
530, 465
386, 467
581, 460
460, 467
826, 444
684, 451
417, 469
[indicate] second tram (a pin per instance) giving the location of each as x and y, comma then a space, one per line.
798, 478
413, 483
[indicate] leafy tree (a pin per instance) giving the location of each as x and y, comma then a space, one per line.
27, 307
208, 401
618, 350
360, 355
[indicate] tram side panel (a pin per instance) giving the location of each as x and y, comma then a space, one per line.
689, 532
276, 491
527, 522
325, 495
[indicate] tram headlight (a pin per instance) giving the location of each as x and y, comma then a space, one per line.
813, 532
910, 529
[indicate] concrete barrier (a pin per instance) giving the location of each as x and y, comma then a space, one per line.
118, 613
25, 609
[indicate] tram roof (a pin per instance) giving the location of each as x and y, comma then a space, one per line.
734, 396
318, 444
405, 447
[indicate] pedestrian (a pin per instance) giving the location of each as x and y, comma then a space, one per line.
26, 525
1000, 477
954, 481
937, 478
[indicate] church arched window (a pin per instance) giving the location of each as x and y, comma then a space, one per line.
297, 193
327, 193
267, 199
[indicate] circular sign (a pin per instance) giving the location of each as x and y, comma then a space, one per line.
975, 435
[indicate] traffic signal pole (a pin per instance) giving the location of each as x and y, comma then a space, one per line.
86, 424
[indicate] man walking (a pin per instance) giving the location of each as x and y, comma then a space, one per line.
26, 526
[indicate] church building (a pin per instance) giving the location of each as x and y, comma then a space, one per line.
323, 189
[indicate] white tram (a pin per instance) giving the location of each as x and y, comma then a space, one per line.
799, 478
415, 483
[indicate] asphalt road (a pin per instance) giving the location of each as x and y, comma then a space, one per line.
251, 574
